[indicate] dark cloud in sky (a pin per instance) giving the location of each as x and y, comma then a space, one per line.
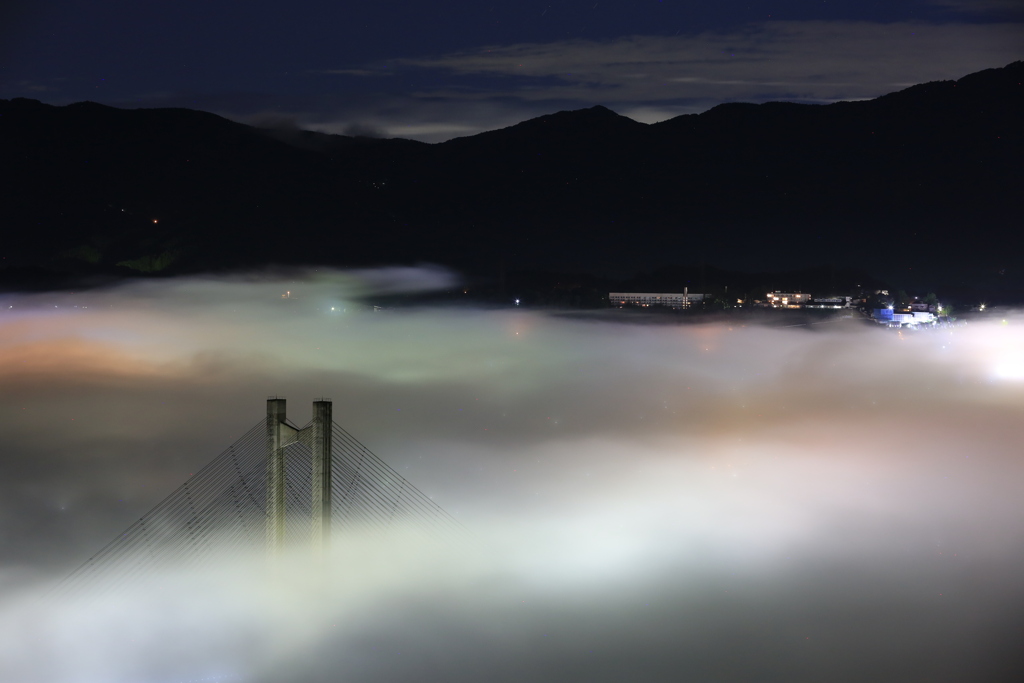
805, 61
716, 501
991, 9
412, 68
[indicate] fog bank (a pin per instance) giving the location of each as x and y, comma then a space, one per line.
712, 502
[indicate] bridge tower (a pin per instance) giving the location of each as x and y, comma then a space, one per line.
317, 435
321, 453
216, 510
277, 434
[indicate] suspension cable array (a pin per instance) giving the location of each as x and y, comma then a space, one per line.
227, 507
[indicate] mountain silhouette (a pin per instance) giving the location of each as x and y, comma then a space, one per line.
920, 185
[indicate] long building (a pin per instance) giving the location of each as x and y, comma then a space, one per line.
676, 300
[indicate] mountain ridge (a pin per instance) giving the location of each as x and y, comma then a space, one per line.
752, 186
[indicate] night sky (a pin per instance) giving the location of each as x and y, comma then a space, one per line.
437, 70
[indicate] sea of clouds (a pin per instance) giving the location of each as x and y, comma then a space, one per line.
652, 502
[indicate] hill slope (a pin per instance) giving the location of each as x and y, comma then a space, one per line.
926, 178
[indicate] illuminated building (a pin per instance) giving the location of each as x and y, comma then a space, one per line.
788, 299
675, 300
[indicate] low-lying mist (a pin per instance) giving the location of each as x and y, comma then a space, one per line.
712, 501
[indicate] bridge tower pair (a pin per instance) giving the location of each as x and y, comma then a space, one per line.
317, 435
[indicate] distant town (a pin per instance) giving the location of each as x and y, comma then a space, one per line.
897, 311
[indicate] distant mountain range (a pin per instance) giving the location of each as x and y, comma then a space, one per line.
923, 186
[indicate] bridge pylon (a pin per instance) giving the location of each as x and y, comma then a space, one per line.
277, 434
317, 435
322, 474
318, 480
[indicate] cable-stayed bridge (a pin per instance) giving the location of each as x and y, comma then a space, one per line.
279, 485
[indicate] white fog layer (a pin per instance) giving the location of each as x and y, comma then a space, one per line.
714, 501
